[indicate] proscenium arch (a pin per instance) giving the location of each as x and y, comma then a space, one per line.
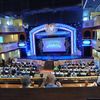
57, 26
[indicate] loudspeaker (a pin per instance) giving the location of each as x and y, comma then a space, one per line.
22, 37
87, 34
87, 51
23, 52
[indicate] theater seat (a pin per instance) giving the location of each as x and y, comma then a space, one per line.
93, 99
10, 85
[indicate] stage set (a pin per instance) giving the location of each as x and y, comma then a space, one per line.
53, 42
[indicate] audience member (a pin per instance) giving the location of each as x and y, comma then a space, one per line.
65, 65
26, 82
87, 84
50, 82
98, 81
58, 83
3, 62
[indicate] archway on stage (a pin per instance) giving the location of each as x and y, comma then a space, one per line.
53, 39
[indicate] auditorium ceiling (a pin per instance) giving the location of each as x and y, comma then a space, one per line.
93, 4
27, 5
20, 6
32, 11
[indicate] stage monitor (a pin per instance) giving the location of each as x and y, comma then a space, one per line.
54, 44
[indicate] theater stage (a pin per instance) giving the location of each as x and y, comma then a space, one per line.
53, 57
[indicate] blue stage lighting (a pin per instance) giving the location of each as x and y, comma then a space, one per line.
57, 26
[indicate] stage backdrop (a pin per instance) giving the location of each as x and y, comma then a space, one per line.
53, 44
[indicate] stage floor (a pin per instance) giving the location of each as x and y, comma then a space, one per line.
53, 57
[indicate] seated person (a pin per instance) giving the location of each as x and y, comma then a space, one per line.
56, 68
90, 84
65, 65
98, 81
26, 82
49, 82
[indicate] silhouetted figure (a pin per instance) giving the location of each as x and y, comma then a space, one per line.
65, 65
3, 62
9, 61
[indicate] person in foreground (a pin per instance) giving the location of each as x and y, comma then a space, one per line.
50, 82
26, 82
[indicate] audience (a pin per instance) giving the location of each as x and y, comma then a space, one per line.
76, 69
67, 69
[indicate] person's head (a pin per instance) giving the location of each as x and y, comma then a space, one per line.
86, 83
26, 81
98, 81
50, 78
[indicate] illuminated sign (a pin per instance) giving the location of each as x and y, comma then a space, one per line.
54, 44
86, 43
22, 44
